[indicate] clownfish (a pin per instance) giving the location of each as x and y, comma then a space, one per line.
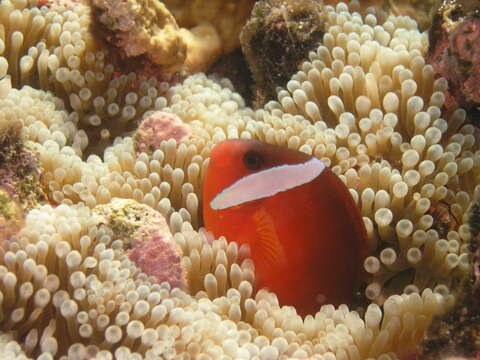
306, 235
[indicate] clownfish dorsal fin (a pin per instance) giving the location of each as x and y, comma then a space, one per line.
267, 242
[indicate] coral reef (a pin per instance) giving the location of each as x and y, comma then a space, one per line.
364, 102
143, 28
172, 36
276, 39
453, 52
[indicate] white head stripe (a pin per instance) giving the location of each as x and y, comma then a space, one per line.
267, 183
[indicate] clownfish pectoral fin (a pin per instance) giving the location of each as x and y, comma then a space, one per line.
267, 243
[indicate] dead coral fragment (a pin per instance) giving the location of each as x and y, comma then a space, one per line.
157, 127
276, 39
148, 241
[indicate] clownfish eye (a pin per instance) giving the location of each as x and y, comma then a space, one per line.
253, 160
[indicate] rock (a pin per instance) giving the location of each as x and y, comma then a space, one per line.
158, 127
277, 38
147, 239
11, 214
455, 53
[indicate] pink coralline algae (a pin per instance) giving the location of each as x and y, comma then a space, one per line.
156, 255
466, 42
158, 127
146, 238
455, 55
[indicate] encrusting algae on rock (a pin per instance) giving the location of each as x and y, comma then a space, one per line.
172, 36
11, 214
149, 243
364, 102
275, 40
157, 127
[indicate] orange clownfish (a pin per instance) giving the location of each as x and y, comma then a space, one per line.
306, 235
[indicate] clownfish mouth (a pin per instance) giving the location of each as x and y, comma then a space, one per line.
267, 183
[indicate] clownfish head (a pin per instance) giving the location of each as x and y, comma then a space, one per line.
241, 171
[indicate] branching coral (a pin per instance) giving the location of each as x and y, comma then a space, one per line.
365, 103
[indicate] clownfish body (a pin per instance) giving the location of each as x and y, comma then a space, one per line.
306, 235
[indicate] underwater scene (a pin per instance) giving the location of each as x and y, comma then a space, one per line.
240, 179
